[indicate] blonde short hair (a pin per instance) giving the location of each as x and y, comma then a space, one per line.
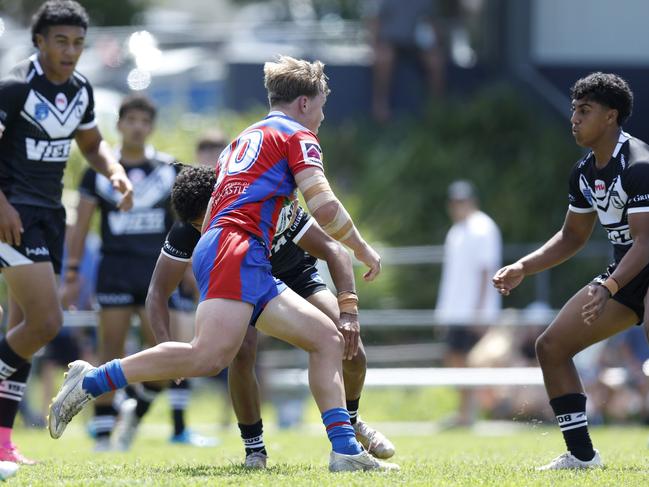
287, 78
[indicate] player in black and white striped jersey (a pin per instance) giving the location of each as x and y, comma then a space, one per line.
44, 104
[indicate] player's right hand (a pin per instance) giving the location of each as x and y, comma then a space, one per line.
370, 257
122, 183
11, 227
508, 278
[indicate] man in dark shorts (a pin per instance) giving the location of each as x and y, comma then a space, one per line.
296, 247
130, 242
44, 104
610, 183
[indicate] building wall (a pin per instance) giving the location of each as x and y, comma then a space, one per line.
590, 31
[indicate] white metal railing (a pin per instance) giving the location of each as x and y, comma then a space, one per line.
422, 377
384, 318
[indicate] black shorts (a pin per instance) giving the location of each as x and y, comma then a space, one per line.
123, 280
304, 278
462, 339
63, 349
632, 295
41, 241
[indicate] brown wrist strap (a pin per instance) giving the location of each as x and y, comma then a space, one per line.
348, 302
612, 285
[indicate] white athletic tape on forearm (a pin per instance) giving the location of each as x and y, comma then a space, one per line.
317, 192
341, 227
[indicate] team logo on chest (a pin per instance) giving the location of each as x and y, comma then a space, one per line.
61, 102
41, 111
600, 189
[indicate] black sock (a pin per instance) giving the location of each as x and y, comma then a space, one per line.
352, 409
12, 390
145, 395
570, 411
104, 420
179, 398
10, 361
253, 437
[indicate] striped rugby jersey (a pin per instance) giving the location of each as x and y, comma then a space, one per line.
256, 174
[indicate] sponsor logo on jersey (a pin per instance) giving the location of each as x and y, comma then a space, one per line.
600, 188
41, 111
47, 151
588, 195
640, 197
36, 251
311, 152
234, 188
137, 221
620, 235
61, 101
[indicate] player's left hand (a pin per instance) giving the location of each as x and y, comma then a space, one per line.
122, 184
371, 258
350, 328
593, 309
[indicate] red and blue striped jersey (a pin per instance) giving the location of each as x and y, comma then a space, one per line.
255, 174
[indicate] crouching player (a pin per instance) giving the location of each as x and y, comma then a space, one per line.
293, 258
258, 172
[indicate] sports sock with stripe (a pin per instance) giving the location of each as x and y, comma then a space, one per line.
105, 378
14, 371
352, 409
570, 411
12, 390
253, 437
341, 432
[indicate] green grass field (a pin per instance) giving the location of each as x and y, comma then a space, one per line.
499, 454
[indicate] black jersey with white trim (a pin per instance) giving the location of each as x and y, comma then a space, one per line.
615, 191
141, 230
40, 120
285, 254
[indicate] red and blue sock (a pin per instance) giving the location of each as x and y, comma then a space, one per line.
105, 378
340, 432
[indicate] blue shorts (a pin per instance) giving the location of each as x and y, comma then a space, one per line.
232, 264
